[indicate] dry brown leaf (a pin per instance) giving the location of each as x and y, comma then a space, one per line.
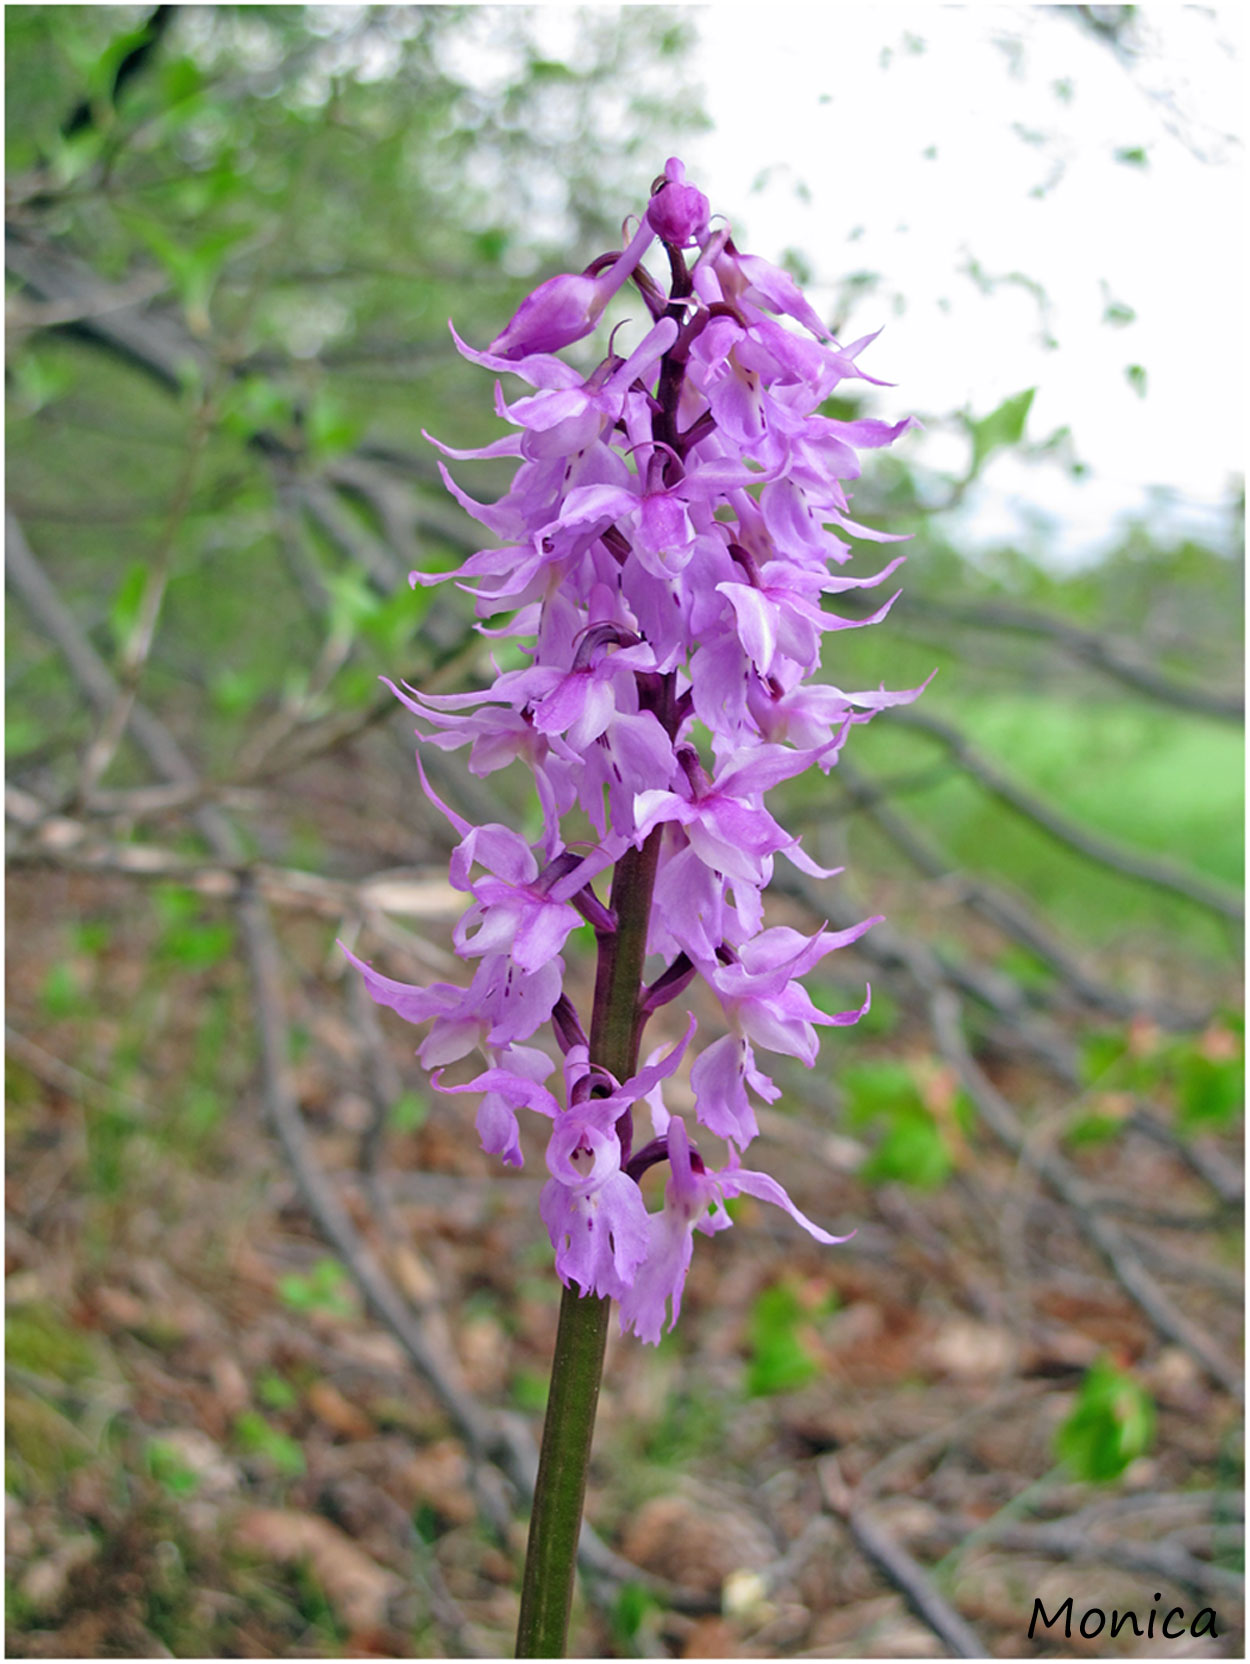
356, 1586
339, 1414
438, 1476
413, 1275
710, 1638
696, 1543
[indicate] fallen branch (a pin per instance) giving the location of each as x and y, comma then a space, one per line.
1062, 1540
906, 1574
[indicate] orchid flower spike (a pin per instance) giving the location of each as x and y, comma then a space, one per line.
669, 556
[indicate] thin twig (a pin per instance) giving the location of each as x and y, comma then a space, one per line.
63, 1077
1116, 658
906, 1574
384, 1087
112, 728
1060, 1540
1209, 1163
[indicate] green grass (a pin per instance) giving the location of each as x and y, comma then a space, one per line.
1155, 779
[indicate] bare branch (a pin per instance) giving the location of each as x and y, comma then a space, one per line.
1115, 657
1005, 911
1062, 1541
112, 728
1210, 1164
1162, 875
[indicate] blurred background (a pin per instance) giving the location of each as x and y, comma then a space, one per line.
277, 1332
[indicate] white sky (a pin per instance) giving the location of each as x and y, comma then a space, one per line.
829, 110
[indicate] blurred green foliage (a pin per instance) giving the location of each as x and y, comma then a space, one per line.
325, 1288
883, 1099
1112, 1424
257, 1437
1203, 1076
780, 1359
309, 195
298, 198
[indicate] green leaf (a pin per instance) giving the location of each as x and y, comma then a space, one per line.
629, 1611
408, 1112
36, 382
1133, 156
779, 1360
913, 1151
1208, 1092
912, 1148
1001, 428
36, 1339
236, 692
1136, 375
1100, 1053
181, 79
1112, 1425
167, 1465
275, 1393
529, 1391
353, 601
124, 613
1093, 1129
199, 946
256, 404
259, 1438
875, 1088
330, 429
194, 267
103, 72
324, 1289
62, 992
22, 733
187, 937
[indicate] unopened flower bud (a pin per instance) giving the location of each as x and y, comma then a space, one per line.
677, 212
560, 311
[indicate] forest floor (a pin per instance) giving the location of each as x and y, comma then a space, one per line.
213, 1450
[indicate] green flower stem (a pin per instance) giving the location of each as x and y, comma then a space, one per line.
577, 1368
555, 1524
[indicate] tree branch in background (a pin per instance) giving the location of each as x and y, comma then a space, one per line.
1117, 658
83, 115
1010, 915
1162, 875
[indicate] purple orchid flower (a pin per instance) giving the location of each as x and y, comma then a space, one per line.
667, 557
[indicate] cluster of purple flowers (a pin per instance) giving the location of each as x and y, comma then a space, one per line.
665, 547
